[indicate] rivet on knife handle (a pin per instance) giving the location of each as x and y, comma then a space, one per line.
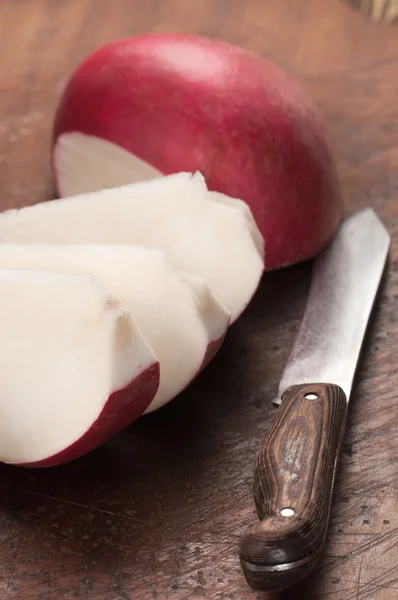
293, 486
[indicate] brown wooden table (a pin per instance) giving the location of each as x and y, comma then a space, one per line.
157, 512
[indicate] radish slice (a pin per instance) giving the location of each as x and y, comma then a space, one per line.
178, 316
74, 369
87, 163
201, 235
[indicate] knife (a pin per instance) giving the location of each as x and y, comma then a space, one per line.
296, 466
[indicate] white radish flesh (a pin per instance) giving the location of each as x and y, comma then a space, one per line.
74, 369
87, 163
201, 235
178, 316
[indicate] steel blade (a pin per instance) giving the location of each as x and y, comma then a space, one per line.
344, 285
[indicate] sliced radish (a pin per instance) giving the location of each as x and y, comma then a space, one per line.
74, 369
182, 102
178, 316
86, 163
201, 234
78, 155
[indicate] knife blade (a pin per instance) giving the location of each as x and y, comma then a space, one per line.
296, 466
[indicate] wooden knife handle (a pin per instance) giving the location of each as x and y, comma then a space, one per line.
293, 484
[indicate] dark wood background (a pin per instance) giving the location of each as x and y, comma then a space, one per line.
157, 512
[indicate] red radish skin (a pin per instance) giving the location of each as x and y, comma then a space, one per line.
211, 351
189, 103
122, 408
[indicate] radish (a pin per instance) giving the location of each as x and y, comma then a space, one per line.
178, 316
204, 234
74, 369
167, 103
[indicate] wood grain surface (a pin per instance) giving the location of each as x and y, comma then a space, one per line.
158, 511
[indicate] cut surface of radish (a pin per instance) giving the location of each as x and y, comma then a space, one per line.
201, 235
177, 315
78, 156
74, 369
87, 163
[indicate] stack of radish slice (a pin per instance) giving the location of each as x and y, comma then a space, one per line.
111, 302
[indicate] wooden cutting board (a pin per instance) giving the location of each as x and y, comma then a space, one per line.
157, 512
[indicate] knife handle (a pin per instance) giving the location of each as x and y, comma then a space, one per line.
293, 485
